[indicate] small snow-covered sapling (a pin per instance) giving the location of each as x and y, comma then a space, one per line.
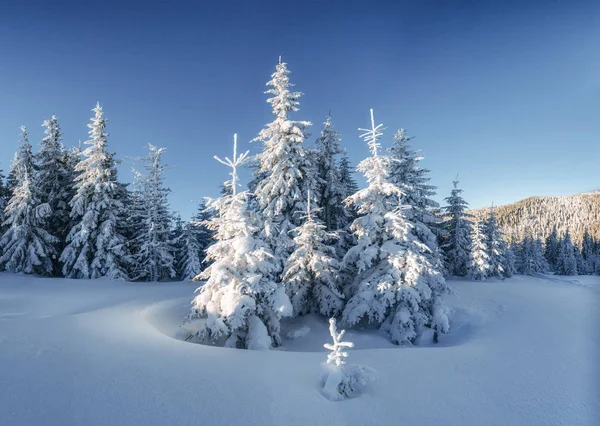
338, 355
340, 380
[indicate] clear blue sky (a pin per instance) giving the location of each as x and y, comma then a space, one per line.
505, 93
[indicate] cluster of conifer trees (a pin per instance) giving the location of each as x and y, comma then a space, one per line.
303, 238
65, 213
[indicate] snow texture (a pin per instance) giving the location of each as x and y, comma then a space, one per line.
522, 352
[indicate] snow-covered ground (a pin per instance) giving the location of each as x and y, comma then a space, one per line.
524, 351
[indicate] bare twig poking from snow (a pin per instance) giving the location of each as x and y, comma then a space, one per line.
340, 380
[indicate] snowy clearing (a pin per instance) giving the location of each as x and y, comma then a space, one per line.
74, 352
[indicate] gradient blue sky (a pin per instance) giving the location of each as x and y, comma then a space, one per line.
505, 93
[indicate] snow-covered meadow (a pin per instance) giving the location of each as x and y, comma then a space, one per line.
523, 351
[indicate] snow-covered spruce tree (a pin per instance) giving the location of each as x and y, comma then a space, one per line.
495, 245
579, 261
339, 380
347, 181
178, 241
530, 257
285, 166
552, 249
479, 267
331, 189
192, 255
197, 237
311, 272
55, 182
155, 260
510, 266
397, 283
412, 180
240, 305
566, 263
95, 247
23, 162
4, 197
456, 243
26, 246
587, 252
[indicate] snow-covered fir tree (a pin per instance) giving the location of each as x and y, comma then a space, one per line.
4, 197
348, 182
397, 282
587, 252
95, 246
23, 162
241, 306
552, 248
55, 181
197, 237
579, 261
495, 245
456, 242
285, 167
530, 257
479, 266
154, 260
26, 245
192, 255
413, 180
311, 272
178, 241
510, 266
566, 263
331, 189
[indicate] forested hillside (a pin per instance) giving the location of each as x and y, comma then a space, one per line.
539, 215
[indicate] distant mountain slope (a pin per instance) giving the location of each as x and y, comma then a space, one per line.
540, 214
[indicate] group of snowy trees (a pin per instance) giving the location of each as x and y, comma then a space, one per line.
304, 239
65, 213
479, 249
473, 248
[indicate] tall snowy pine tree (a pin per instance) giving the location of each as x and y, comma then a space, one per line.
4, 197
95, 247
55, 182
26, 245
285, 168
479, 266
412, 180
495, 246
331, 190
552, 249
347, 181
566, 263
197, 237
311, 272
397, 283
241, 306
457, 240
531, 259
154, 260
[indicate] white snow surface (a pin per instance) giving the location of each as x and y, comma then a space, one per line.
524, 351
